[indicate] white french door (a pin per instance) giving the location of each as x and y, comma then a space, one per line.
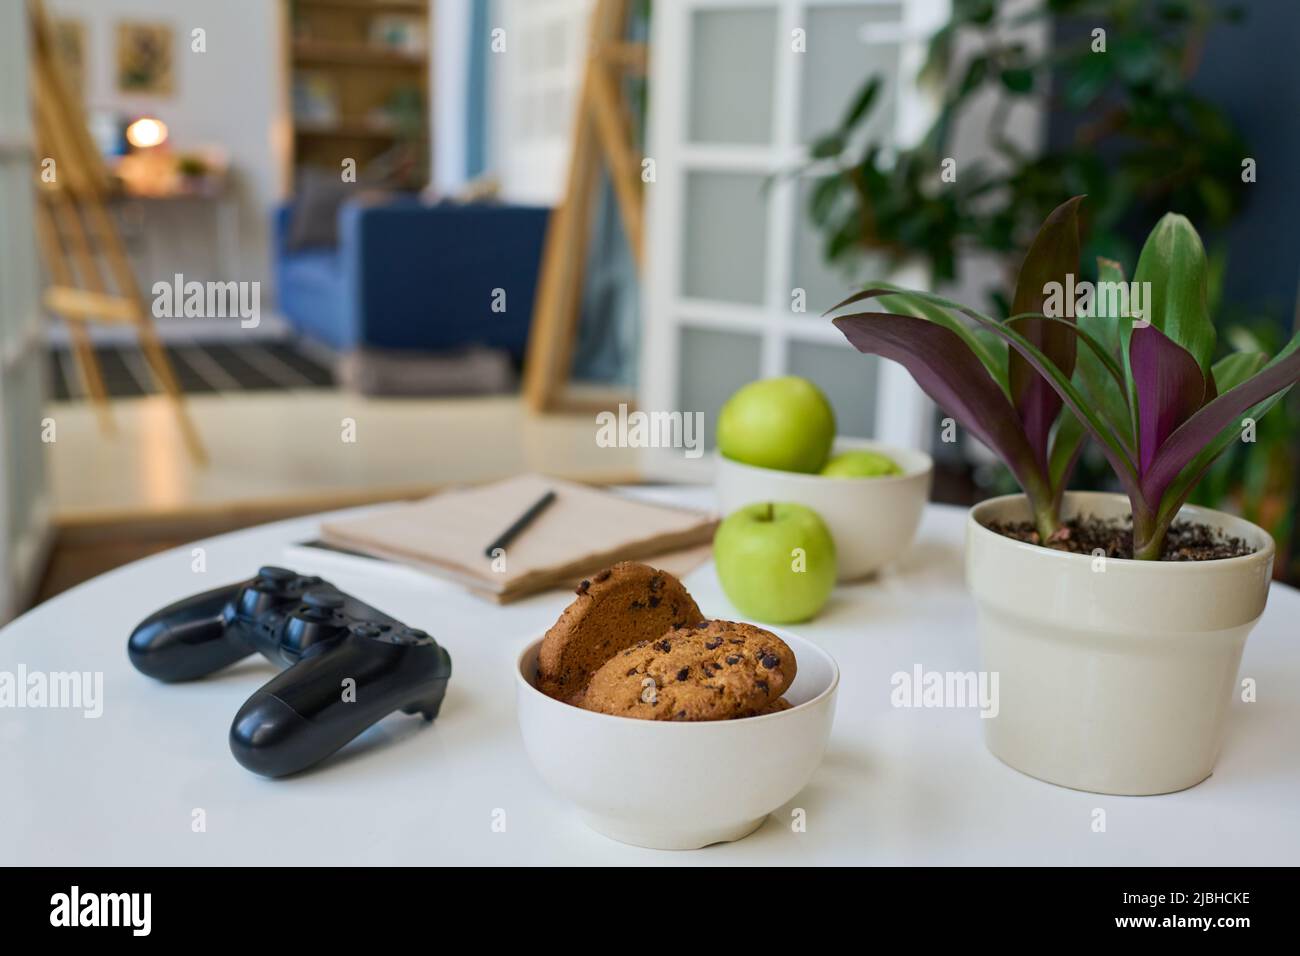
739, 89
24, 512
535, 67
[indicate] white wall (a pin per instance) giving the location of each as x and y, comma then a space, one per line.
450, 82
230, 95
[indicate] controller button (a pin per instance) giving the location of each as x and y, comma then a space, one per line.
271, 573
411, 635
366, 630
323, 600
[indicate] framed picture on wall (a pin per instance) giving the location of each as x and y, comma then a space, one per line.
145, 61
70, 47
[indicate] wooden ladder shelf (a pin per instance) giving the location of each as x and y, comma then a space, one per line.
602, 134
74, 231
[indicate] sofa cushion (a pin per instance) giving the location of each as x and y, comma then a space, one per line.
314, 222
313, 296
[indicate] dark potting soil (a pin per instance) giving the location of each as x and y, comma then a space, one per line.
1186, 540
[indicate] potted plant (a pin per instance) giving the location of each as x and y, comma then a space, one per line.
1115, 621
1119, 112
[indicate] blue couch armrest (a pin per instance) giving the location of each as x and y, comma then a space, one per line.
281, 217
310, 288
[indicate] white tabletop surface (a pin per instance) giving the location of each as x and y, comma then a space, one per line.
897, 786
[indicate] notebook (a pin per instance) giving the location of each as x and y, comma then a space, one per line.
584, 529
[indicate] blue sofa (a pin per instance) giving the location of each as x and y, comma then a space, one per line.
411, 276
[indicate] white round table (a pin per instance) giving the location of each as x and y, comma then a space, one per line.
898, 786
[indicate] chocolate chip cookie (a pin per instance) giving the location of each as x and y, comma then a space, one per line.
775, 707
614, 610
714, 670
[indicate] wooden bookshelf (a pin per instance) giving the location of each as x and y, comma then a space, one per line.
359, 84
355, 130
316, 52
370, 6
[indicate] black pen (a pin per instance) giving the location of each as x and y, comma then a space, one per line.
522, 522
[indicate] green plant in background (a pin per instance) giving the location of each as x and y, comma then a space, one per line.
192, 165
1144, 142
1259, 479
405, 109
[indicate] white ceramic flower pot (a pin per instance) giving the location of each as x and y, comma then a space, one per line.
1114, 676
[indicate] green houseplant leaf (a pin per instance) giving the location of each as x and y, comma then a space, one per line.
1173, 262
1092, 373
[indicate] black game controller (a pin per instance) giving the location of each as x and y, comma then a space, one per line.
349, 665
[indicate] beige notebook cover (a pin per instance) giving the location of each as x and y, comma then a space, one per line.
582, 531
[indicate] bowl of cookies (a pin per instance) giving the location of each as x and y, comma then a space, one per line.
666, 729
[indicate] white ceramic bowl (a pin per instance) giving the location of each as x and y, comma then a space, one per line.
679, 786
873, 520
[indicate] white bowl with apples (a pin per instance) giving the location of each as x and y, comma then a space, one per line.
676, 785
777, 444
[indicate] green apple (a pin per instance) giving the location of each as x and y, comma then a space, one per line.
776, 562
861, 464
782, 423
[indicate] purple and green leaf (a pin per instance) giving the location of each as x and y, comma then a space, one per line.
1169, 387
1146, 393
1053, 256
948, 371
1124, 467
991, 352
1206, 430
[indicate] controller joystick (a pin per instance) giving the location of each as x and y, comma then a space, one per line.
348, 664
271, 572
325, 602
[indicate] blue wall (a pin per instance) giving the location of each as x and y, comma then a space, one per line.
1251, 69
